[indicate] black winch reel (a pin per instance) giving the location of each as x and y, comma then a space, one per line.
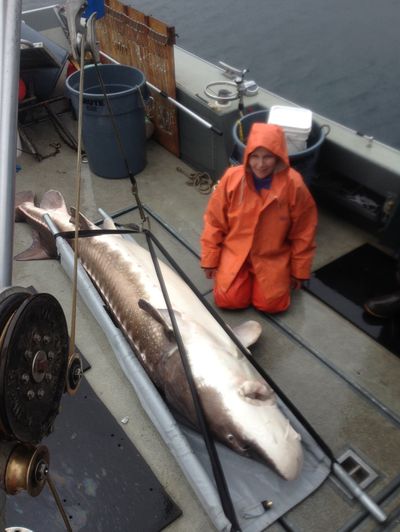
35, 371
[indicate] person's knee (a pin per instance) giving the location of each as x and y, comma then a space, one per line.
272, 306
232, 300
239, 293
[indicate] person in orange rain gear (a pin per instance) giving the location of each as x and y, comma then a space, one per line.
259, 227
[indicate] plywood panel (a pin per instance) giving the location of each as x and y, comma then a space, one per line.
133, 38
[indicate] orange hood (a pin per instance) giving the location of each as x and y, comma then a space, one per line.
272, 138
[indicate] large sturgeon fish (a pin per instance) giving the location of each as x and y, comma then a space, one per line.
240, 407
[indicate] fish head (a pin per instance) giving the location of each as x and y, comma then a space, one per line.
250, 422
241, 408
245, 412
260, 427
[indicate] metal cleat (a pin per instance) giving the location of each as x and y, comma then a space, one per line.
249, 87
230, 71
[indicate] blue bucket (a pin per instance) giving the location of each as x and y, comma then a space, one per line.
303, 161
126, 90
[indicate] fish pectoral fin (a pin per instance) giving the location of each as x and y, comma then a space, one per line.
158, 316
38, 250
255, 391
248, 332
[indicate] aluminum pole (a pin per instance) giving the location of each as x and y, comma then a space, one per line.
10, 28
171, 100
359, 494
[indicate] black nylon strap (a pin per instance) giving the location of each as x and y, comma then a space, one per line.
218, 472
87, 233
118, 139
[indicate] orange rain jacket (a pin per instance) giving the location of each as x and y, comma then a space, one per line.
275, 231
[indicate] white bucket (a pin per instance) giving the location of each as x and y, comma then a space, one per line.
296, 122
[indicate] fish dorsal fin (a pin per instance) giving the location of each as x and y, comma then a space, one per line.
84, 223
248, 332
256, 391
108, 223
159, 316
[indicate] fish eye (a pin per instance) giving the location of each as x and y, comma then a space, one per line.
241, 447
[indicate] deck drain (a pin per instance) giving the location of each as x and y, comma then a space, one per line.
357, 469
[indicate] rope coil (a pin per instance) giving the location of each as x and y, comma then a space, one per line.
200, 180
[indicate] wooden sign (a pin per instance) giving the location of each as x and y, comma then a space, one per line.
141, 41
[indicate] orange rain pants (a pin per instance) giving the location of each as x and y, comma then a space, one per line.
245, 291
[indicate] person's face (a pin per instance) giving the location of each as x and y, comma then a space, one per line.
262, 162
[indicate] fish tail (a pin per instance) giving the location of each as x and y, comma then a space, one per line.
26, 210
21, 198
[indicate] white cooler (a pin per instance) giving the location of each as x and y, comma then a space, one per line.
296, 122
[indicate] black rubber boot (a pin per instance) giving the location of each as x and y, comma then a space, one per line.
384, 306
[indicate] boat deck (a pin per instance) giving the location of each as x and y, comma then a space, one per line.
343, 382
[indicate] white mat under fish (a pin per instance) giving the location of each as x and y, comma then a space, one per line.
251, 483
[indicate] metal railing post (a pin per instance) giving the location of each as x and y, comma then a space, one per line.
10, 28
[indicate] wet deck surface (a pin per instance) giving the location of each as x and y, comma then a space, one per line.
349, 281
343, 382
103, 482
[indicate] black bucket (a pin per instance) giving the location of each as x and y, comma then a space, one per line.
303, 161
126, 91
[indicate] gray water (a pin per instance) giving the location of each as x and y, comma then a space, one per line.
340, 58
